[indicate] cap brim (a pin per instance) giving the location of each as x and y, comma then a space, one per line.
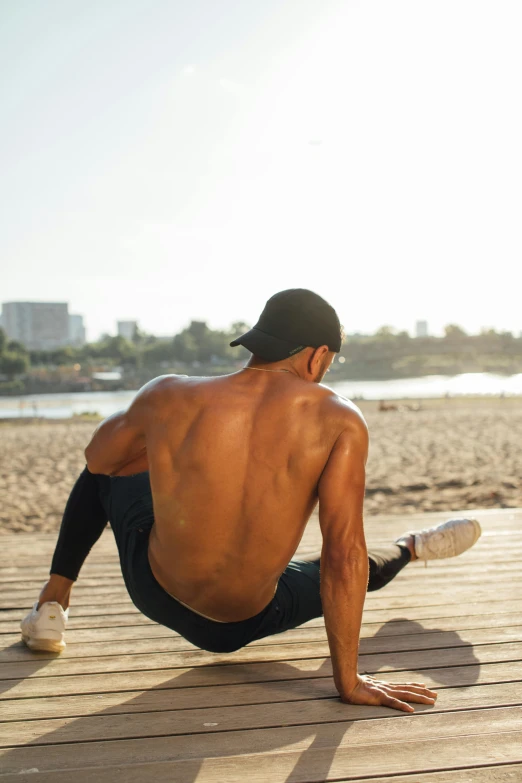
265, 346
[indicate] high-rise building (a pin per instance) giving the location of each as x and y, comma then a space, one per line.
40, 326
127, 329
76, 331
421, 329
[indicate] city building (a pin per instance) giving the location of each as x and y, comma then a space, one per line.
40, 326
421, 329
127, 329
76, 331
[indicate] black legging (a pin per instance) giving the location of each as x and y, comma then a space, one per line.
85, 519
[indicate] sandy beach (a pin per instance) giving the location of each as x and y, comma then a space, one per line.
452, 454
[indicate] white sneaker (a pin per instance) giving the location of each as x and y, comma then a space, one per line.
43, 629
448, 539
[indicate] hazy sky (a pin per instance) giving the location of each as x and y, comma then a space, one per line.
167, 160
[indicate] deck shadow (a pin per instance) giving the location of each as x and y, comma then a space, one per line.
77, 736
35, 661
169, 747
451, 640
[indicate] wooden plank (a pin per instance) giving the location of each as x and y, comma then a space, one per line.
445, 610
404, 590
387, 647
504, 773
324, 708
32, 578
450, 668
465, 567
490, 546
288, 657
495, 548
491, 554
297, 638
412, 574
493, 532
481, 556
14, 585
329, 753
126, 607
322, 765
36, 567
24, 600
382, 599
458, 595
489, 518
77, 638
163, 697
42, 545
115, 620
404, 585
132, 618
377, 530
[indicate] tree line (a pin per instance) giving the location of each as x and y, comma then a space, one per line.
14, 357
386, 354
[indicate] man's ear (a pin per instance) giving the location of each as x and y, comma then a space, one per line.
316, 359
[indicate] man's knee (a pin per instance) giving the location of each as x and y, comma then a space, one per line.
377, 582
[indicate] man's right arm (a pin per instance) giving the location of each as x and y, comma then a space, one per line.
344, 559
344, 571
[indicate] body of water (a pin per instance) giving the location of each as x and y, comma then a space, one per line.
60, 406
473, 383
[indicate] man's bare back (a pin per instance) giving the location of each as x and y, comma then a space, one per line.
234, 467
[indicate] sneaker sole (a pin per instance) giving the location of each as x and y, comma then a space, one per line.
43, 645
478, 531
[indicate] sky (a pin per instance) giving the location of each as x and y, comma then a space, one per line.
166, 161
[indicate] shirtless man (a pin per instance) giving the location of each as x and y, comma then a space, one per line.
208, 484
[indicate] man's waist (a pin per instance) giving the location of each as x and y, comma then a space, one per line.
214, 601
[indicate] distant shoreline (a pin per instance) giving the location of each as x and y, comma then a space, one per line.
89, 405
367, 406
334, 377
21, 388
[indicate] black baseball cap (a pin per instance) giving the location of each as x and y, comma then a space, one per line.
292, 320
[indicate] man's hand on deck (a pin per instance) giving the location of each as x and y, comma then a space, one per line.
387, 694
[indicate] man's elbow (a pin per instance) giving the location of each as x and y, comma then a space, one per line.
340, 559
93, 464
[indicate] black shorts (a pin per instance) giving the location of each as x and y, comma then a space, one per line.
128, 504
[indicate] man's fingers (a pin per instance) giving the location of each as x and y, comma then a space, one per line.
396, 704
407, 684
397, 684
373, 691
398, 689
418, 698
412, 689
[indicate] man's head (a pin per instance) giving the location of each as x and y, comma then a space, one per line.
296, 325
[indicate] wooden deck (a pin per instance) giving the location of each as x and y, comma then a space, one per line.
129, 700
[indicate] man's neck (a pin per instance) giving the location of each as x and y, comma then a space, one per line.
279, 367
